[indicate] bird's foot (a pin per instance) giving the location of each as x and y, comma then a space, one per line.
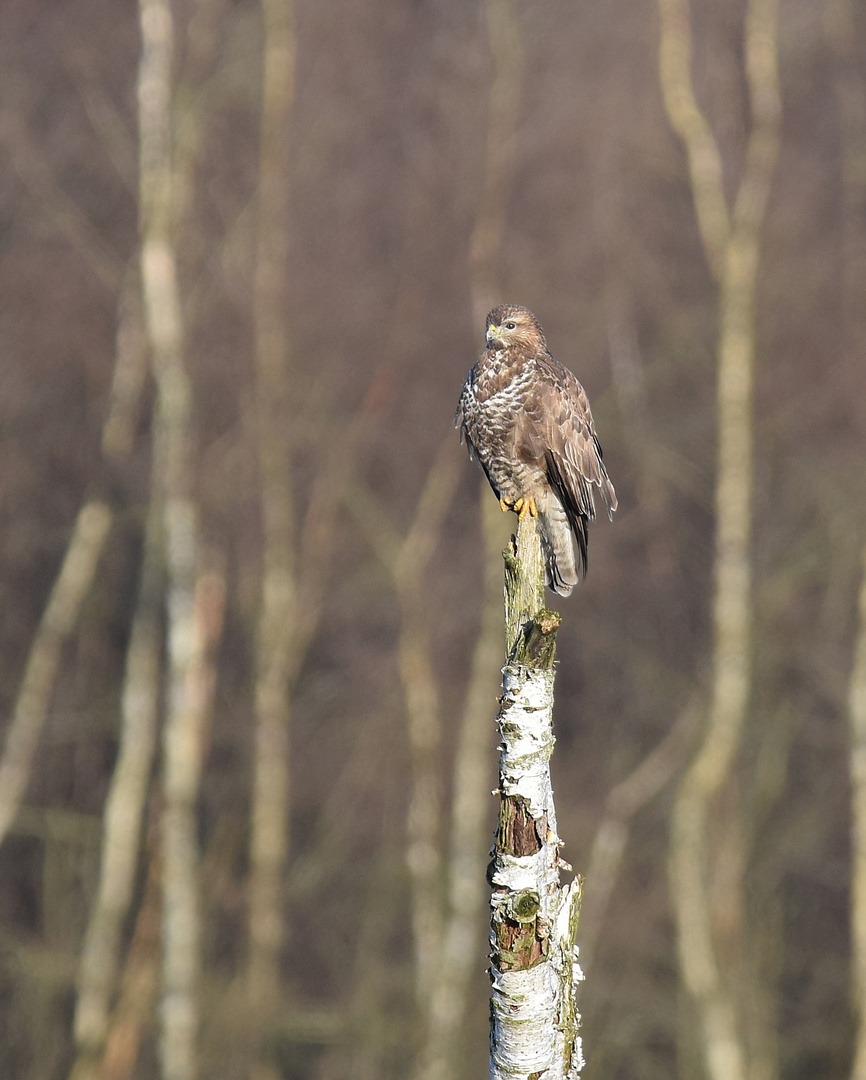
524, 507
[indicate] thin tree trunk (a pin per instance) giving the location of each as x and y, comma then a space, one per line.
534, 972
857, 735
185, 715
423, 717
124, 809
406, 559
139, 987
89, 535
191, 655
732, 245
278, 612
850, 86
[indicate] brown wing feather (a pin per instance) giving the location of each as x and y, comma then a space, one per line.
575, 469
570, 439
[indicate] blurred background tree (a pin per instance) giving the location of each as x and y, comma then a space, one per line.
246, 585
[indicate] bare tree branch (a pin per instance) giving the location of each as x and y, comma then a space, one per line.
623, 802
89, 536
67, 216
690, 123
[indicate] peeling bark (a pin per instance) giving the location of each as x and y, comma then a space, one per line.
534, 969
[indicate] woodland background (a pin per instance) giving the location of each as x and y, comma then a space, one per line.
249, 631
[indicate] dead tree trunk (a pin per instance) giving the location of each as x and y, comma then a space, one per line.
533, 969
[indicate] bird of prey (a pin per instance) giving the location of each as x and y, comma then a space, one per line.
527, 420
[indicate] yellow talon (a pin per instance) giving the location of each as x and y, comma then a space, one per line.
521, 507
526, 506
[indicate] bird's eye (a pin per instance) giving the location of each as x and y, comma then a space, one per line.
511, 326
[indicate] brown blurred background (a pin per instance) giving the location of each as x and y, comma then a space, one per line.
249, 634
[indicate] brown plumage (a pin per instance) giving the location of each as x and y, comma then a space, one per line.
527, 420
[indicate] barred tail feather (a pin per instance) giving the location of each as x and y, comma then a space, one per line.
562, 570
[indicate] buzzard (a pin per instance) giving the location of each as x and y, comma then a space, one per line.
527, 420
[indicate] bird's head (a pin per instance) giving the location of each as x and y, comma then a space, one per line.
510, 325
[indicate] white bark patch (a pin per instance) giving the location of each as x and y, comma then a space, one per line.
534, 1015
526, 728
524, 1005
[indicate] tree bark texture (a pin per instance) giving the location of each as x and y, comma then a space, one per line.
533, 970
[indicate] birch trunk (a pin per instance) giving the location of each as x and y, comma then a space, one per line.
534, 970
124, 809
139, 986
185, 712
850, 85
406, 558
89, 536
278, 612
408, 561
139, 709
732, 246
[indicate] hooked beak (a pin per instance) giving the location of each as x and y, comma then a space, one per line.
492, 334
